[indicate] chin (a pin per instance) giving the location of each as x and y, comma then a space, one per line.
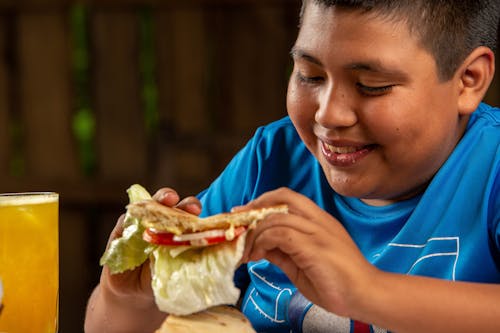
347, 190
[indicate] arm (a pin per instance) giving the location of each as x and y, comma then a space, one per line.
123, 302
321, 259
108, 311
418, 304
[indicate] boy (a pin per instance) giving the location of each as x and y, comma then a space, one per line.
390, 167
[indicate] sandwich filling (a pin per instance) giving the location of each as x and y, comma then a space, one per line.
202, 238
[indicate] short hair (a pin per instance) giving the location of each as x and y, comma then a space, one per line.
449, 29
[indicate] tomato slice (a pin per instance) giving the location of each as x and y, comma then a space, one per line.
161, 238
166, 238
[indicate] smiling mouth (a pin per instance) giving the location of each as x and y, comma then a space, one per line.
345, 155
341, 150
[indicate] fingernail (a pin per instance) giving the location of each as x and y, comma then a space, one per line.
237, 209
194, 208
165, 196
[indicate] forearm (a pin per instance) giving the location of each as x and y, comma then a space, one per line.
404, 303
107, 314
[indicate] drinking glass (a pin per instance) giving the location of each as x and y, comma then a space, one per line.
29, 262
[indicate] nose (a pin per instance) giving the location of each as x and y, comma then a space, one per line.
335, 109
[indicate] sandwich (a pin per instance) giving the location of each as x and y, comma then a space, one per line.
192, 259
176, 227
217, 319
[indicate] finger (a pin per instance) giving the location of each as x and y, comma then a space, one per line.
237, 209
283, 261
291, 242
252, 235
191, 205
167, 196
146, 278
297, 203
271, 198
319, 232
117, 230
277, 228
279, 222
131, 282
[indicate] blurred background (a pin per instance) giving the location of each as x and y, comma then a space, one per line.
98, 95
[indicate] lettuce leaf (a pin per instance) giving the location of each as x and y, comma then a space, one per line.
197, 278
130, 250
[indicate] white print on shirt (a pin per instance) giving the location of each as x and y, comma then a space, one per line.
280, 292
436, 255
434, 247
319, 320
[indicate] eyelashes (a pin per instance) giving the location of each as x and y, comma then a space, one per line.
374, 91
362, 88
308, 79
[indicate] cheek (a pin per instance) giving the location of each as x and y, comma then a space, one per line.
301, 102
385, 123
294, 100
412, 138
301, 109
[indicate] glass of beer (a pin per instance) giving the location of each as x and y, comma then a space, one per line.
29, 262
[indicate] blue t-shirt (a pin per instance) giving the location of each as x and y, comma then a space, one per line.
450, 231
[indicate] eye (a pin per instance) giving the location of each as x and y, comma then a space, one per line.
308, 79
374, 91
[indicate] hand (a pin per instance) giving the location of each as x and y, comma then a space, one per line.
124, 303
169, 197
312, 248
137, 283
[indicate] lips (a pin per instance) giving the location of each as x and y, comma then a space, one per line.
344, 154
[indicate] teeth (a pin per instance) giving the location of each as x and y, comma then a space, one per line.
340, 150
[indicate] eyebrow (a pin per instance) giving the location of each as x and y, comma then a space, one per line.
366, 66
376, 67
297, 53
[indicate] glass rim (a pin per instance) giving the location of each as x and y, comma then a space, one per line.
27, 198
26, 194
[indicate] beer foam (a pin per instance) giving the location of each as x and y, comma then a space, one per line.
14, 199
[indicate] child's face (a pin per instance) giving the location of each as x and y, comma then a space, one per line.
366, 100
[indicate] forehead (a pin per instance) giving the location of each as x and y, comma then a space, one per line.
322, 21
390, 13
330, 32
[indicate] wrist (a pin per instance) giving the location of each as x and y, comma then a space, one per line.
367, 296
127, 301
126, 289
128, 313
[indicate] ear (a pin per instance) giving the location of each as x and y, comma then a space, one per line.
475, 76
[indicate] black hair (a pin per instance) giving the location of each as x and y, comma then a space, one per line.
448, 29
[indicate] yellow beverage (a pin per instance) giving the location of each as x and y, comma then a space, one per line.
29, 262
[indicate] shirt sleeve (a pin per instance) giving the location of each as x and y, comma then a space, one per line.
267, 162
235, 185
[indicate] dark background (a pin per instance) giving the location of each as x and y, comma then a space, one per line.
98, 95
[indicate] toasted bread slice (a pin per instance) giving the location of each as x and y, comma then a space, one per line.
218, 319
167, 219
